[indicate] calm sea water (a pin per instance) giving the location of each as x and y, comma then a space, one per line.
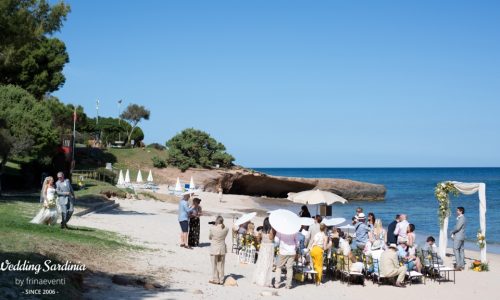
411, 191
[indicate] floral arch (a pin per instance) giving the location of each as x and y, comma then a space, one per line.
442, 192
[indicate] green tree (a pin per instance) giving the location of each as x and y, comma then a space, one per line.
194, 148
62, 115
134, 114
112, 129
28, 56
28, 126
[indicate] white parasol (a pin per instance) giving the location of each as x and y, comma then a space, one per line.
284, 221
121, 180
316, 197
306, 221
150, 176
139, 177
333, 221
127, 176
245, 218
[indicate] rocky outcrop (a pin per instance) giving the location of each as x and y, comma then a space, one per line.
247, 182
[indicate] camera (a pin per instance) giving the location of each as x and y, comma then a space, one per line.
211, 223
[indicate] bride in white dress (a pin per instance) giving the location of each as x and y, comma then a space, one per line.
49, 213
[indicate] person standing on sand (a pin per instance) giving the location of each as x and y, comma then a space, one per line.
304, 212
313, 229
287, 251
184, 212
263, 273
219, 190
194, 223
320, 243
391, 237
217, 235
402, 229
458, 236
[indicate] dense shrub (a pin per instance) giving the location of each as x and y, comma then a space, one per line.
106, 175
158, 162
197, 149
156, 146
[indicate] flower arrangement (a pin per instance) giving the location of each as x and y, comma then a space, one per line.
478, 266
442, 193
248, 240
481, 239
51, 202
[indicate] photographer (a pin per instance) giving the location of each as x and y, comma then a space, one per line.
218, 233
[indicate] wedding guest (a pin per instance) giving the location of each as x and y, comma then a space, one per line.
458, 236
264, 267
361, 231
359, 210
371, 221
303, 239
411, 261
391, 237
375, 252
194, 223
430, 247
304, 212
287, 251
66, 198
220, 191
378, 233
402, 229
314, 228
389, 265
320, 243
183, 218
410, 233
48, 214
217, 235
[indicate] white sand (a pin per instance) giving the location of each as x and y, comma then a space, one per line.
153, 224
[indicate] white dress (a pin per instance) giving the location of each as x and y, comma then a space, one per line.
264, 267
48, 215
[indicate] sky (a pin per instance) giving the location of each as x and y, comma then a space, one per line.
299, 83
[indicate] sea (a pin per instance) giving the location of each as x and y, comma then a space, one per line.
411, 191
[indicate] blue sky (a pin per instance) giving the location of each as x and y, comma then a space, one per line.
299, 83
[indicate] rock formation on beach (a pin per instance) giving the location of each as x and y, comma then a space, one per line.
247, 182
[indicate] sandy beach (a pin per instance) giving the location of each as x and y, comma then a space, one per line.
185, 273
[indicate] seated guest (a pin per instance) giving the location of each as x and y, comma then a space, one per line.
430, 247
375, 252
411, 261
389, 265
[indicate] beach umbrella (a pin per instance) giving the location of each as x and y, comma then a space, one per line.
316, 197
284, 221
333, 221
178, 187
150, 176
306, 221
121, 180
245, 218
127, 176
191, 184
139, 177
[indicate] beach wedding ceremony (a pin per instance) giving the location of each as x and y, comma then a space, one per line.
278, 149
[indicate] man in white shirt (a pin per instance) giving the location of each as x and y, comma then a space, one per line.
402, 229
287, 251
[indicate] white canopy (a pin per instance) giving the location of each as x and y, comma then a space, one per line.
467, 189
178, 187
245, 218
150, 176
127, 176
333, 221
139, 177
121, 180
316, 197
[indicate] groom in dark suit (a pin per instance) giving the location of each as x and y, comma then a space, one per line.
65, 196
458, 236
